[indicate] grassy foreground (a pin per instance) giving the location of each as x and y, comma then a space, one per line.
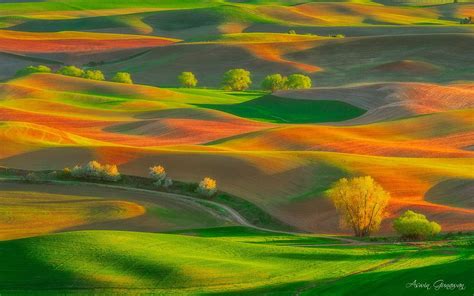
137, 263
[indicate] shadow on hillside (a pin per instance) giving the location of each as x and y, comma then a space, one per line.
387, 283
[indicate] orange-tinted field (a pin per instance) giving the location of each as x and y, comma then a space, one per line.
408, 69
75, 42
283, 168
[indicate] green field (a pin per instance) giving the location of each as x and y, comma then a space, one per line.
281, 110
130, 263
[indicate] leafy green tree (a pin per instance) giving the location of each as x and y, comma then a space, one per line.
71, 71
187, 79
94, 75
122, 77
33, 69
413, 225
298, 81
361, 204
237, 80
274, 82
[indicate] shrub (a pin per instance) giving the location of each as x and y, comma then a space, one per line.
467, 20
64, 173
71, 71
274, 82
158, 174
411, 225
93, 170
207, 187
361, 204
110, 173
31, 178
94, 75
122, 77
33, 69
237, 80
298, 81
187, 79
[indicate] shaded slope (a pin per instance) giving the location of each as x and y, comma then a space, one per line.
393, 100
281, 110
437, 135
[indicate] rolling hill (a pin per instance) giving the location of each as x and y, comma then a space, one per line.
283, 166
89, 261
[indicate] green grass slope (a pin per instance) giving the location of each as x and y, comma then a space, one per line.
281, 110
131, 263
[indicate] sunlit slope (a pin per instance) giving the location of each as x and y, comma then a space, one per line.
167, 264
290, 185
210, 15
34, 209
444, 134
347, 14
120, 114
74, 42
283, 168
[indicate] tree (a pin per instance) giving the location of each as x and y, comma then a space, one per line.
207, 187
298, 81
122, 77
361, 204
71, 71
274, 82
93, 170
237, 80
110, 172
94, 75
33, 69
411, 225
158, 174
187, 79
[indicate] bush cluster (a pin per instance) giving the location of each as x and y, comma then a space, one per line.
276, 82
93, 170
73, 71
158, 174
187, 79
33, 69
207, 187
411, 225
122, 77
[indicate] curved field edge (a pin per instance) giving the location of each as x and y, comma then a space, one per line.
275, 109
109, 261
222, 203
